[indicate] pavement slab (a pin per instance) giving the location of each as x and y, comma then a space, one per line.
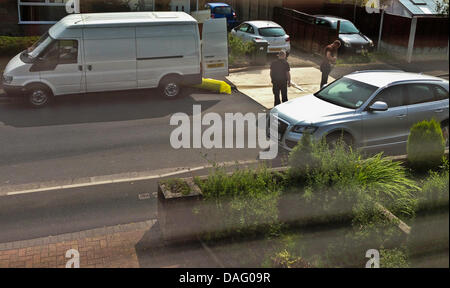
257, 84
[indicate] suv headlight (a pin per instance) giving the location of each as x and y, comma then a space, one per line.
7, 79
371, 43
304, 129
347, 44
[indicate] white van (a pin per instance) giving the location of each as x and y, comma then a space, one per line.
85, 53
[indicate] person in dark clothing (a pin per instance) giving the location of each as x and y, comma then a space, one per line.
281, 77
329, 59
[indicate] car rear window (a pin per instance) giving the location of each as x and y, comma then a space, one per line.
224, 10
272, 32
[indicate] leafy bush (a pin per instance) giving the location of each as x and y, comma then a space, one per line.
301, 157
393, 258
356, 59
239, 51
339, 179
14, 45
242, 204
284, 259
426, 145
434, 193
177, 186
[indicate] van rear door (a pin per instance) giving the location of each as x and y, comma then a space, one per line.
215, 48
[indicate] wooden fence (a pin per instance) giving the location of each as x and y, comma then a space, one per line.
304, 34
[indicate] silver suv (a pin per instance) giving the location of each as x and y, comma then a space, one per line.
372, 109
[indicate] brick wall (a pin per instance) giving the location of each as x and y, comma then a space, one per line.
10, 19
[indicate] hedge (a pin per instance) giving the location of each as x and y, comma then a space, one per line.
13, 45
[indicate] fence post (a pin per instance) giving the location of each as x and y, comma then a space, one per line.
412, 36
381, 31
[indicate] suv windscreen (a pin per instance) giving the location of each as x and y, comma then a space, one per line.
272, 32
347, 93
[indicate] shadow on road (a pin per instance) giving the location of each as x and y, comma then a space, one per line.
101, 107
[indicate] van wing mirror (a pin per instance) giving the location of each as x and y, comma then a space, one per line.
379, 106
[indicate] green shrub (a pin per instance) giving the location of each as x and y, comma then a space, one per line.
340, 178
242, 204
239, 51
435, 192
14, 45
284, 259
177, 186
393, 258
426, 145
356, 59
301, 157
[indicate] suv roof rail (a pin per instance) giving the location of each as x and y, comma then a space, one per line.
366, 71
416, 80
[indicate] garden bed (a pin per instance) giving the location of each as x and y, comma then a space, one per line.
326, 210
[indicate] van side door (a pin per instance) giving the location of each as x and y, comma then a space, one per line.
110, 58
215, 48
60, 66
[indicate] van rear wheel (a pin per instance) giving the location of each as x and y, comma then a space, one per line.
38, 95
170, 87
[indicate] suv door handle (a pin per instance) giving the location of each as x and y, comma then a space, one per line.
89, 67
80, 67
401, 116
439, 110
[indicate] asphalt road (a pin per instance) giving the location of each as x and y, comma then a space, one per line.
104, 134
93, 135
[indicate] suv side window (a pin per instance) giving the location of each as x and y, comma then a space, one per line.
420, 93
393, 96
441, 93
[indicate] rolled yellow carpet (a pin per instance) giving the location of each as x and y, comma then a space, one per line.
214, 85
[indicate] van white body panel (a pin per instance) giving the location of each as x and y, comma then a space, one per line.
166, 49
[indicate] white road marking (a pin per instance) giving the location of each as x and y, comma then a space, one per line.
123, 180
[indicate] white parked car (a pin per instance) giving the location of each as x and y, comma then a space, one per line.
264, 30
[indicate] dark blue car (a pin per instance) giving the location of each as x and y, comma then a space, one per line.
223, 10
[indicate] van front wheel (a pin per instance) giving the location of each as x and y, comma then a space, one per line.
38, 96
170, 87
